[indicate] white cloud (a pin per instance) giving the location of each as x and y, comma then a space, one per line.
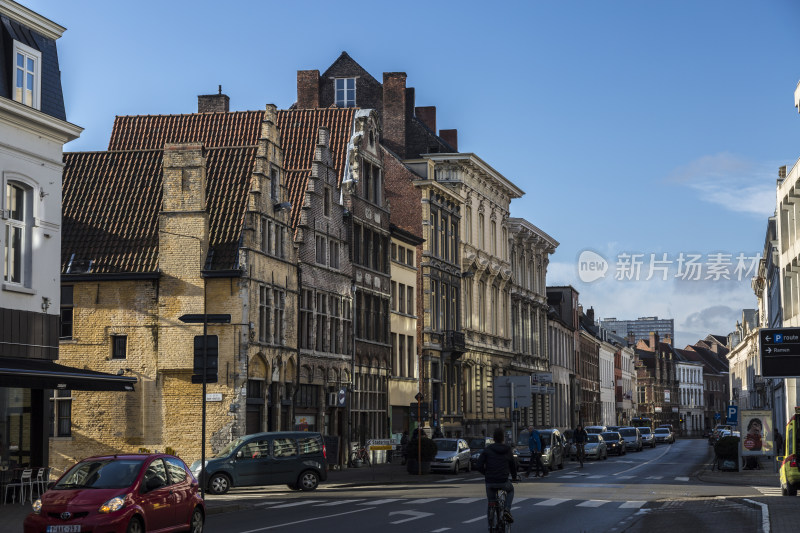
699, 308
730, 181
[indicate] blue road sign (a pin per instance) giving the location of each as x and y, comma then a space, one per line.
717, 416
733, 415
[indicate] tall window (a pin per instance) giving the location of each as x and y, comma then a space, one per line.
435, 234
264, 314
468, 303
119, 347
333, 250
306, 318
480, 231
27, 75
493, 237
410, 301
322, 250
468, 225
61, 413
274, 184
18, 205
66, 311
322, 322
482, 305
326, 202
345, 92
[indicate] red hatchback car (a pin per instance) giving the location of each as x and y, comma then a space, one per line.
121, 493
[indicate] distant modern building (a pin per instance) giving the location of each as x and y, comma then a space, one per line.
641, 328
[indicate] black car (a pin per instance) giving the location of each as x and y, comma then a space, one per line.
476, 447
614, 442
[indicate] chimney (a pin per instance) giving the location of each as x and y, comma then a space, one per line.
213, 103
427, 115
654, 341
450, 137
668, 339
307, 89
781, 173
590, 315
394, 112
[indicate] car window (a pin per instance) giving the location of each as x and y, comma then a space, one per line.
593, 437
226, 451
177, 472
101, 474
610, 436
627, 432
477, 443
155, 476
446, 445
310, 445
644, 431
662, 430
284, 447
255, 449
545, 439
522, 439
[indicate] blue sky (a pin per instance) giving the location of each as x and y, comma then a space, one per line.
634, 127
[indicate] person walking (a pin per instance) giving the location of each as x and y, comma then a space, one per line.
580, 437
404, 446
497, 463
535, 447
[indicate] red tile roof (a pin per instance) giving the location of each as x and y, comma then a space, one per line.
112, 199
299, 133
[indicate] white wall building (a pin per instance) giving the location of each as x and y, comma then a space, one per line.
607, 385
690, 386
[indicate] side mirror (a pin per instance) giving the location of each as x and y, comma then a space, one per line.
239, 454
780, 458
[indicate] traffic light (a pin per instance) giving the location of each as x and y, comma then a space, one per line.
212, 358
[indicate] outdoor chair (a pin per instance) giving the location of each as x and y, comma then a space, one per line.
24, 484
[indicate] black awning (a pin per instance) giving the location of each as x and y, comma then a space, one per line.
44, 374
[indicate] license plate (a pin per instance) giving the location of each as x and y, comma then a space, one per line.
72, 528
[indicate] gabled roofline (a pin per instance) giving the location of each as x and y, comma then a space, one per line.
31, 19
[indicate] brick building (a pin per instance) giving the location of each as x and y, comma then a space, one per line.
182, 215
657, 382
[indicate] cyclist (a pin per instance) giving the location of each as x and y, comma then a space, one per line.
580, 436
496, 463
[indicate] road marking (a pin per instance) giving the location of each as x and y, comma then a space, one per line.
471, 520
552, 502
765, 527
326, 517
632, 505
415, 515
440, 530
681, 478
467, 500
381, 502
570, 476
596, 477
342, 502
627, 477
422, 500
450, 480
295, 504
655, 477
592, 503
666, 450
770, 491
260, 504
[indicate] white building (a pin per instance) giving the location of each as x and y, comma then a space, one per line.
744, 362
608, 402
690, 387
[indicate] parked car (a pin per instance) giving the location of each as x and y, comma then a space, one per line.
553, 450
476, 447
595, 447
595, 429
632, 437
648, 437
664, 435
296, 458
614, 442
716, 434
121, 493
453, 455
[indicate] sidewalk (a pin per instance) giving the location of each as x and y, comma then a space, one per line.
782, 509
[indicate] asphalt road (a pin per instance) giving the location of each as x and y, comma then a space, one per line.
640, 491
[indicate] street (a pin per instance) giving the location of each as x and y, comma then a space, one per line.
628, 493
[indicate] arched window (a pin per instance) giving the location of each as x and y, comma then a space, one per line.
18, 204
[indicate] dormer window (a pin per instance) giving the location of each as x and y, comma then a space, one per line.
27, 75
345, 92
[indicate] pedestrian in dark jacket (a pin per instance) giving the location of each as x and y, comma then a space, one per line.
535, 447
580, 437
404, 446
497, 463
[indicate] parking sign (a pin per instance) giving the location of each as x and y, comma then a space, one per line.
733, 415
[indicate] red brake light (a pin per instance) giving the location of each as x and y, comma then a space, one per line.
324, 452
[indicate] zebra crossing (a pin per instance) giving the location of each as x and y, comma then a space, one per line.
769, 491
426, 502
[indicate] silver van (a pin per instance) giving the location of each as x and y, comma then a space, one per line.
296, 458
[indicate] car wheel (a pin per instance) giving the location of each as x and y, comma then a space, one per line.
791, 490
469, 466
456, 468
308, 480
196, 525
561, 464
135, 525
219, 484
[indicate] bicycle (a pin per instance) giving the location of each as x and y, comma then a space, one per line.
497, 520
359, 454
580, 452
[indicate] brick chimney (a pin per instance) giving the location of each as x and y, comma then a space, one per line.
427, 115
213, 103
307, 89
450, 137
654, 341
394, 112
